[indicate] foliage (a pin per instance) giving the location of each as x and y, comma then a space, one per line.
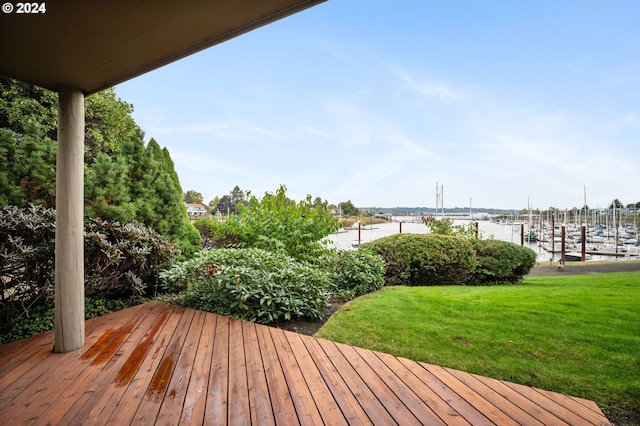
573, 334
445, 226
192, 197
121, 261
347, 208
108, 122
356, 272
216, 234
500, 262
125, 180
27, 245
424, 259
27, 167
252, 284
276, 222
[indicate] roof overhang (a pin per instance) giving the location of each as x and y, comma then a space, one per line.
93, 44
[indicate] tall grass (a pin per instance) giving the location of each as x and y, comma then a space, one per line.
578, 335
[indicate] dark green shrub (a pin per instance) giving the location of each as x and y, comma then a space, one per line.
122, 260
217, 235
500, 262
424, 259
27, 245
252, 284
356, 272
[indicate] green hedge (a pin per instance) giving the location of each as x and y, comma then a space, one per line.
500, 262
424, 259
356, 272
251, 284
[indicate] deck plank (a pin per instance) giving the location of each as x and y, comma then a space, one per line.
196, 398
357, 385
281, 401
173, 402
163, 364
216, 405
325, 402
303, 401
351, 409
259, 401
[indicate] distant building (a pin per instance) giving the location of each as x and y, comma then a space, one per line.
197, 211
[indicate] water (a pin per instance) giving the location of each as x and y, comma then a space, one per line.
348, 239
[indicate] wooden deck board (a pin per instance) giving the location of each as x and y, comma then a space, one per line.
162, 364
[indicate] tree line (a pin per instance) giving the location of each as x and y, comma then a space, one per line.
126, 178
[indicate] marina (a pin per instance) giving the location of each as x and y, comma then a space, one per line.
546, 240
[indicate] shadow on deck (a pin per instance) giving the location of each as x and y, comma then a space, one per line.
164, 364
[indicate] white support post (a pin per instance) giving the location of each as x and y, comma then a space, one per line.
69, 266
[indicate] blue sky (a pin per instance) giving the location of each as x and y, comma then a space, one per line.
500, 102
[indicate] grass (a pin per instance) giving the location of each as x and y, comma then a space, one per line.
578, 334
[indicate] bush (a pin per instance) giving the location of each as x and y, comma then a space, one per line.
251, 284
500, 262
217, 235
424, 259
276, 222
27, 245
123, 260
356, 272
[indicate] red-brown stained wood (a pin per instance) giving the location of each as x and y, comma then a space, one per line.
412, 402
497, 399
457, 403
346, 400
238, 405
365, 396
216, 407
173, 402
281, 401
306, 408
259, 400
164, 364
443, 410
327, 406
196, 398
491, 411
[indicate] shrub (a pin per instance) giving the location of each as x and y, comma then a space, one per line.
251, 284
356, 272
27, 245
424, 259
500, 262
122, 260
217, 235
276, 222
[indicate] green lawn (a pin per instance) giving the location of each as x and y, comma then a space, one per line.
578, 335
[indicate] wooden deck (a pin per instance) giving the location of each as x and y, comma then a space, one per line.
161, 364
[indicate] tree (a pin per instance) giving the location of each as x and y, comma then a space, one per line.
192, 197
276, 222
238, 196
108, 122
214, 203
347, 208
616, 204
225, 206
124, 179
